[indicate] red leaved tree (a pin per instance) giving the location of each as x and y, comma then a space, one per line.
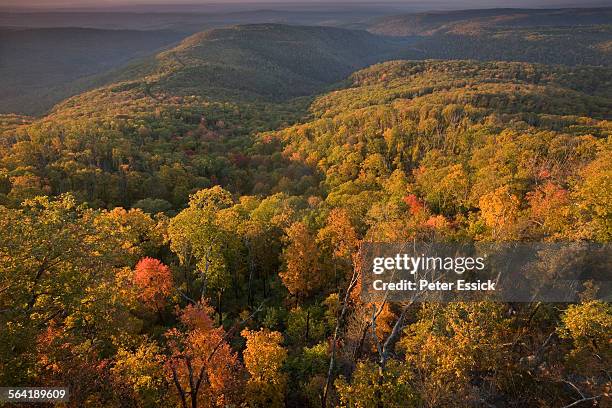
154, 280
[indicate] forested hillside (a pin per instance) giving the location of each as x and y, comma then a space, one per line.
473, 21
40, 67
234, 280
265, 61
43, 65
183, 120
565, 36
44, 58
589, 45
452, 133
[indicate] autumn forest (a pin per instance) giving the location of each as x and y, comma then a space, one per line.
182, 226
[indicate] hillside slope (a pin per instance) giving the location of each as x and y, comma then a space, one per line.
455, 130
269, 61
183, 119
466, 21
564, 36
40, 67
44, 66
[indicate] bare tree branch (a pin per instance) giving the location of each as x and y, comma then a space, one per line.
580, 401
178, 387
332, 358
574, 387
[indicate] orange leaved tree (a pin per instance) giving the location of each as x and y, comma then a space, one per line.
201, 364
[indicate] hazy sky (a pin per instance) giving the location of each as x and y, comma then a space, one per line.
455, 4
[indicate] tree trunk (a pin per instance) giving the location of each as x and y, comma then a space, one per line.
180, 390
381, 375
219, 311
332, 358
307, 323
250, 293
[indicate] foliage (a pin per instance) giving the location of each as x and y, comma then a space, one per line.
259, 223
201, 364
264, 358
141, 371
368, 389
303, 274
588, 326
154, 281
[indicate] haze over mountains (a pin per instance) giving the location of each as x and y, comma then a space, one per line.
560, 36
475, 21
41, 67
185, 22
211, 6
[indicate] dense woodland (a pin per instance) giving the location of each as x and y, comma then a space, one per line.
189, 236
564, 36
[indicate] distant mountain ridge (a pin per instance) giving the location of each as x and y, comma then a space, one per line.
556, 36
41, 67
186, 22
275, 62
269, 61
471, 21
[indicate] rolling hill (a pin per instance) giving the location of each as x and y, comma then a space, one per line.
40, 67
564, 36
43, 66
188, 113
474, 21
269, 61
186, 118
450, 132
